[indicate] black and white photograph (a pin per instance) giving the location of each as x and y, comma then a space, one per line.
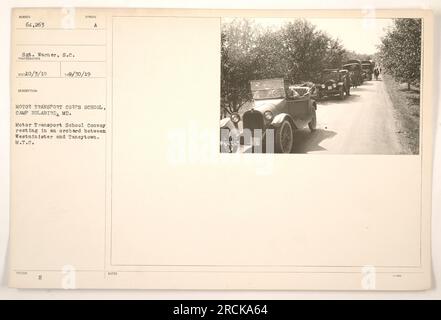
336, 86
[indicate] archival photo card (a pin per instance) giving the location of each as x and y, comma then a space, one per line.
323, 85
221, 149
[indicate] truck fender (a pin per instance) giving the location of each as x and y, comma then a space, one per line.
229, 136
228, 127
226, 123
277, 121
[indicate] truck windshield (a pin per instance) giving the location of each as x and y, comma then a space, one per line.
275, 93
267, 89
330, 75
351, 67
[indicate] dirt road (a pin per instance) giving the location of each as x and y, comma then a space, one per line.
363, 123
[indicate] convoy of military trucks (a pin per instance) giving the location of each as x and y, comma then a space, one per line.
277, 109
338, 82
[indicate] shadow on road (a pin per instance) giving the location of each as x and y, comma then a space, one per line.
336, 99
306, 141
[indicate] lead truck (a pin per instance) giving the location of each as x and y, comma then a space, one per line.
271, 118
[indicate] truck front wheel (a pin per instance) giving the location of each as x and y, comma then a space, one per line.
284, 137
341, 93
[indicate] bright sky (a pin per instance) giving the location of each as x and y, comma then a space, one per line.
359, 35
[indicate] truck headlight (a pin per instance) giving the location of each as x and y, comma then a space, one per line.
235, 117
268, 115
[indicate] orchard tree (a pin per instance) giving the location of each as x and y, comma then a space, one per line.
269, 61
358, 56
336, 54
238, 39
304, 49
296, 51
400, 51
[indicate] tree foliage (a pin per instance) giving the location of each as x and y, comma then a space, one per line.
297, 52
358, 56
400, 50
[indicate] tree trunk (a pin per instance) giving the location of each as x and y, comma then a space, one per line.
408, 86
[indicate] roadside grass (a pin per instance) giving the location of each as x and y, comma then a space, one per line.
407, 112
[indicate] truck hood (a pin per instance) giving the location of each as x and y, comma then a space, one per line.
264, 105
330, 82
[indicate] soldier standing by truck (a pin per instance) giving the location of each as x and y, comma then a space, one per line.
376, 73
347, 80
